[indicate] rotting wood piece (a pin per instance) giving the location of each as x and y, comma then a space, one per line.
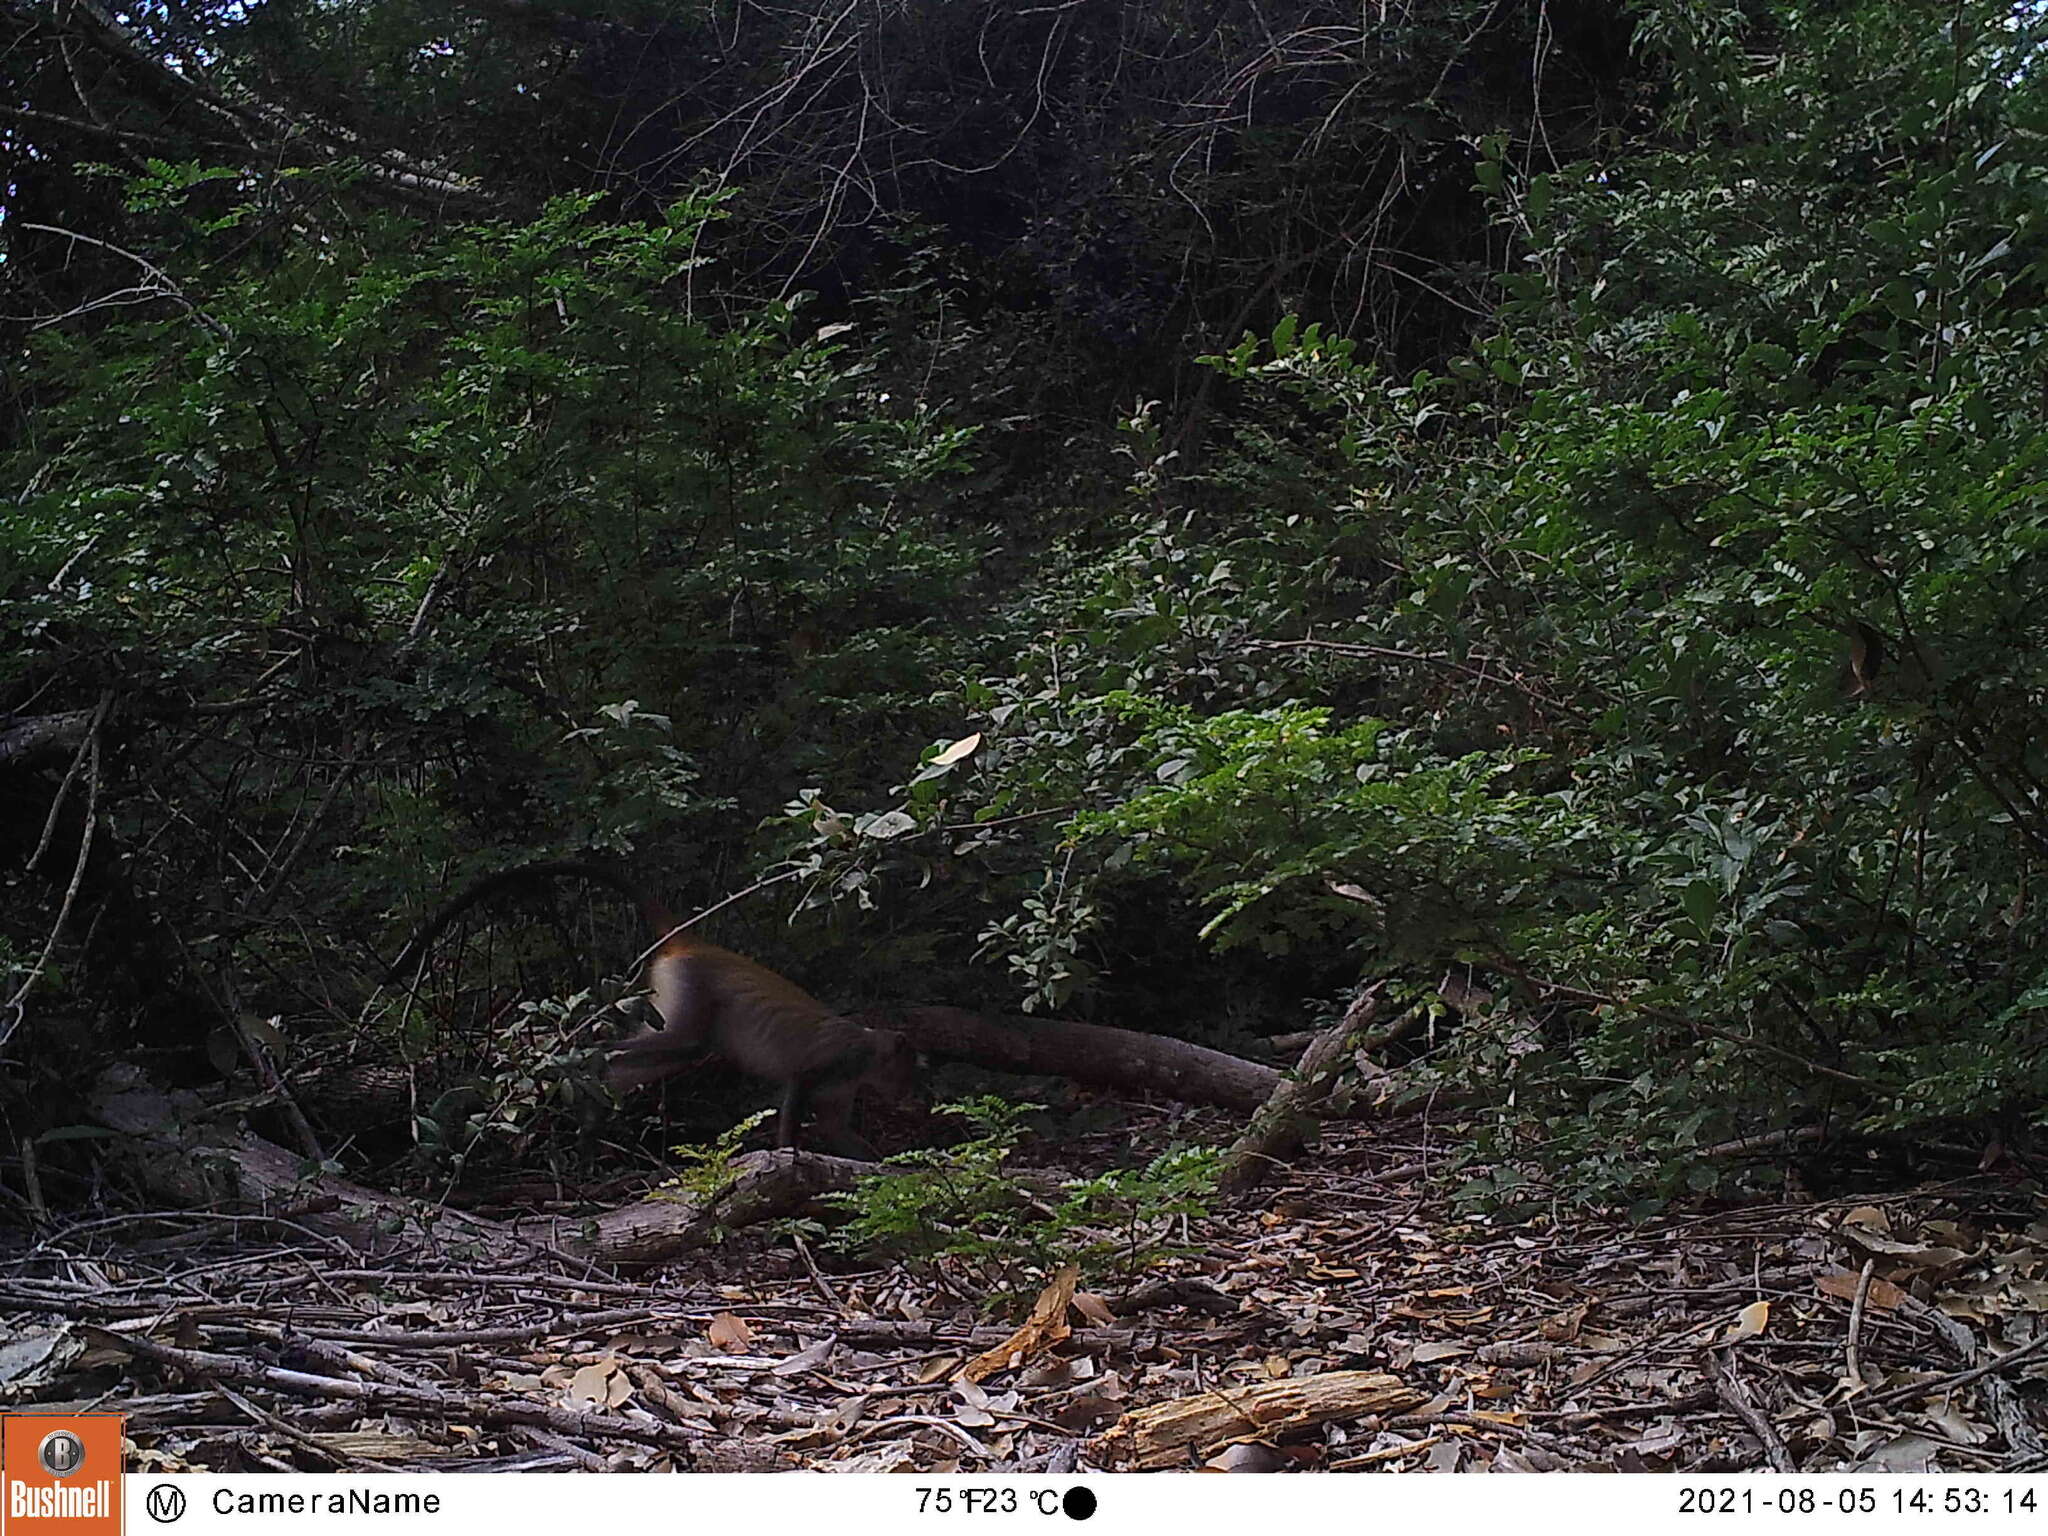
1167, 1434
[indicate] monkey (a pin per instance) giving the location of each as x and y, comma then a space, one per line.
712, 999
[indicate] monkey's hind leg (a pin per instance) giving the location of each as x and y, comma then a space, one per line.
832, 1090
794, 1093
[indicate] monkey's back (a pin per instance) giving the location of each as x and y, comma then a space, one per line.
764, 1024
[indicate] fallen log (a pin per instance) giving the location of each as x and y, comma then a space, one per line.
182, 1151
1084, 1053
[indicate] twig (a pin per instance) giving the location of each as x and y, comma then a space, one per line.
1386, 1453
1682, 1021
1006, 821
819, 1283
200, 1218
1763, 1141
456, 1338
432, 595
1277, 1130
298, 1437
486, 1278
548, 1440
328, 1352
1447, 663
423, 1400
31, 1177
165, 287
1683, 1404
1950, 1382
1737, 1397
1195, 1295
1856, 1322
2007, 1407
90, 755
274, 1085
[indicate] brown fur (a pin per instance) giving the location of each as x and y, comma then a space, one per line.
712, 999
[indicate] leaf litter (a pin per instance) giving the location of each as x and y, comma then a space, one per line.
1350, 1319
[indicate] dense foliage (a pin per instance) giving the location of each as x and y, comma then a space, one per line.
1614, 592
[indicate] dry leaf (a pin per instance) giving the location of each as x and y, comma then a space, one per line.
974, 1405
1958, 1428
844, 1417
1563, 1327
806, 1359
1045, 1327
1093, 1308
1749, 1322
1047, 1373
729, 1334
1884, 1294
957, 750
1445, 1456
1247, 1456
896, 1456
1661, 1441
1927, 1256
935, 1370
601, 1385
1085, 1413
1903, 1453
647, 1343
1425, 1353
36, 1358
1842, 1284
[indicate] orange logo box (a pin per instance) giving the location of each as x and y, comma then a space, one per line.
60, 1476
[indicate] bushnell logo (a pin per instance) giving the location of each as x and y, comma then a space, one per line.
60, 1474
61, 1453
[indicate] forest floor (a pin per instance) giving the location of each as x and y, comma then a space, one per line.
1350, 1319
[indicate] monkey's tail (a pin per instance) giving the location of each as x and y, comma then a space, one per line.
657, 917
